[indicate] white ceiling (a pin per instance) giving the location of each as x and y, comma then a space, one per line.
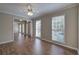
38, 8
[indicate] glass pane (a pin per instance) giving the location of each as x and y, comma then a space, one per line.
58, 28
38, 28
23, 28
20, 28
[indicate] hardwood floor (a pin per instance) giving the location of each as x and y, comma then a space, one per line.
29, 46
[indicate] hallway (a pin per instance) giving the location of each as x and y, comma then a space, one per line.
29, 46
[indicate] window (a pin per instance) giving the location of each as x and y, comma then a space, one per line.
38, 28
19, 27
22, 28
58, 28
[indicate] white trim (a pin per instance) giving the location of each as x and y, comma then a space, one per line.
62, 45
6, 42
68, 46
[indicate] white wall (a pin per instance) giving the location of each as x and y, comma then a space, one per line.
6, 28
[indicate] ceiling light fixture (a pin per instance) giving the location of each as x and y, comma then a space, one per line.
30, 13
29, 8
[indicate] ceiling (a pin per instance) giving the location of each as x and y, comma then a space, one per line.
20, 9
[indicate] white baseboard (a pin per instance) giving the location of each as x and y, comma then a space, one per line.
6, 42
62, 45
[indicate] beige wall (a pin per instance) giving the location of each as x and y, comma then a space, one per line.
29, 28
78, 29
46, 28
70, 26
15, 27
6, 28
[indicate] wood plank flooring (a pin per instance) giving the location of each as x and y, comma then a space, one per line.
29, 46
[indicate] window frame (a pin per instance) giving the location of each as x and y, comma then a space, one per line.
40, 28
64, 28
